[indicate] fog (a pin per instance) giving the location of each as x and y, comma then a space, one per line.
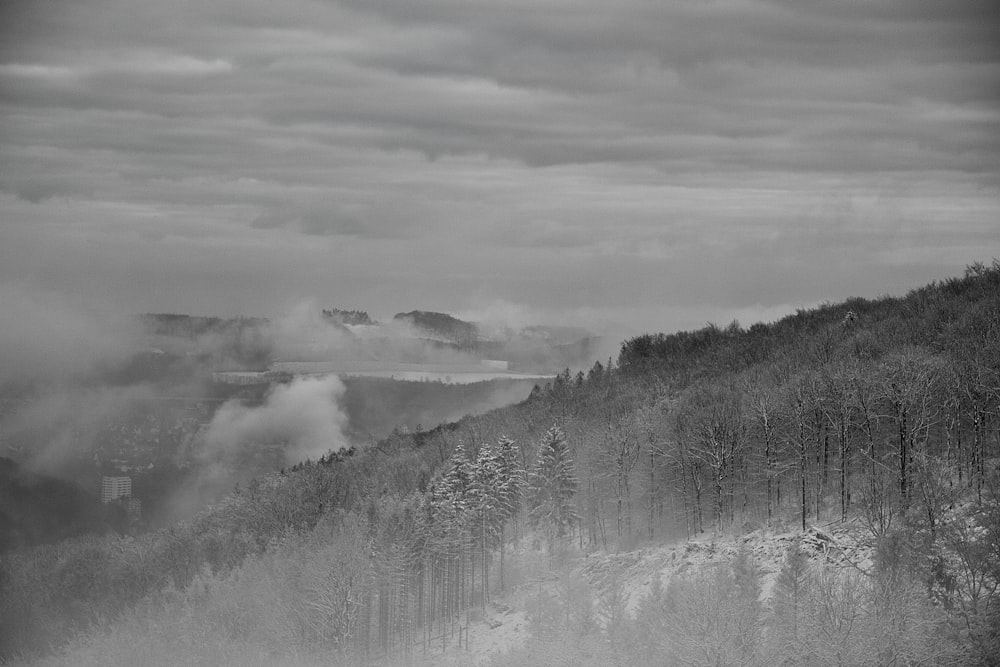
305, 414
52, 354
89, 390
46, 337
57, 428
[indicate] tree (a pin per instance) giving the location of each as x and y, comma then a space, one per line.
790, 591
763, 404
552, 485
841, 407
706, 620
487, 505
510, 488
621, 447
911, 381
717, 435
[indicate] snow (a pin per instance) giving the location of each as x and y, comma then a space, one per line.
504, 624
843, 545
500, 629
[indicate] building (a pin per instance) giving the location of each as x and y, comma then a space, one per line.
113, 488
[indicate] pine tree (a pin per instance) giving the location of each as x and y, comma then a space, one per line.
449, 503
510, 489
458, 478
486, 506
552, 485
484, 493
510, 485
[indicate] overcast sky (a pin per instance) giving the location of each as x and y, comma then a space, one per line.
663, 163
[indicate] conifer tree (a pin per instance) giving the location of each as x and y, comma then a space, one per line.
449, 500
510, 486
552, 485
510, 489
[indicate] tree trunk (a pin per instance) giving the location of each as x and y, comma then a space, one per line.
903, 456
652, 490
802, 467
486, 578
768, 471
502, 589
844, 463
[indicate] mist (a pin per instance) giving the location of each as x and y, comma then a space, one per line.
46, 337
303, 333
88, 390
54, 356
304, 415
56, 431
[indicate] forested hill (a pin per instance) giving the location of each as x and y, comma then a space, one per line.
886, 410
451, 329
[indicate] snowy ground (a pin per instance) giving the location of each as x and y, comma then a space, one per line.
499, 630
841, 544
504, 624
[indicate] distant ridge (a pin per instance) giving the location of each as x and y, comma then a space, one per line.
441, 325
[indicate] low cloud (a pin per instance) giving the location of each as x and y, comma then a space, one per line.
302, 333
302, 418
305, 415
46, 336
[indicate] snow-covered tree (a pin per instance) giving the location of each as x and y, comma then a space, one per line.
552, 485
510, 485
484, 498
449, 504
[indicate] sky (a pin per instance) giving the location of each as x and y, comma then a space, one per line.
652, 164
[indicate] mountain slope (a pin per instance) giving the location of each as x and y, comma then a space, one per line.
883, 412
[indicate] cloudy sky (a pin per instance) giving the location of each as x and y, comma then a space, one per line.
660, 163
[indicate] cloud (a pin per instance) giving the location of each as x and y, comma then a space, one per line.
232, 157
303, 334
47, 337
303, 414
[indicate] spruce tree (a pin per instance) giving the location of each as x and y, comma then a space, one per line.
510, 489
511, 484
552, 485
484, 491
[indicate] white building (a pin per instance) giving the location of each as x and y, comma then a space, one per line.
113, 488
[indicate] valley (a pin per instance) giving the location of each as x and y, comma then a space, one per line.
405, 333
152, 415
819, 490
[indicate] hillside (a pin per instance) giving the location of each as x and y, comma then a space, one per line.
873, 420
441, 326
35, 509
531, 625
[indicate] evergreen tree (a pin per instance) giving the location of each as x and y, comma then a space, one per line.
510, 489
484, 493
449, 504
453, 489
552, 485
510, 486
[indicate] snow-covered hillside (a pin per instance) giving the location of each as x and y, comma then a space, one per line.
506, 624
